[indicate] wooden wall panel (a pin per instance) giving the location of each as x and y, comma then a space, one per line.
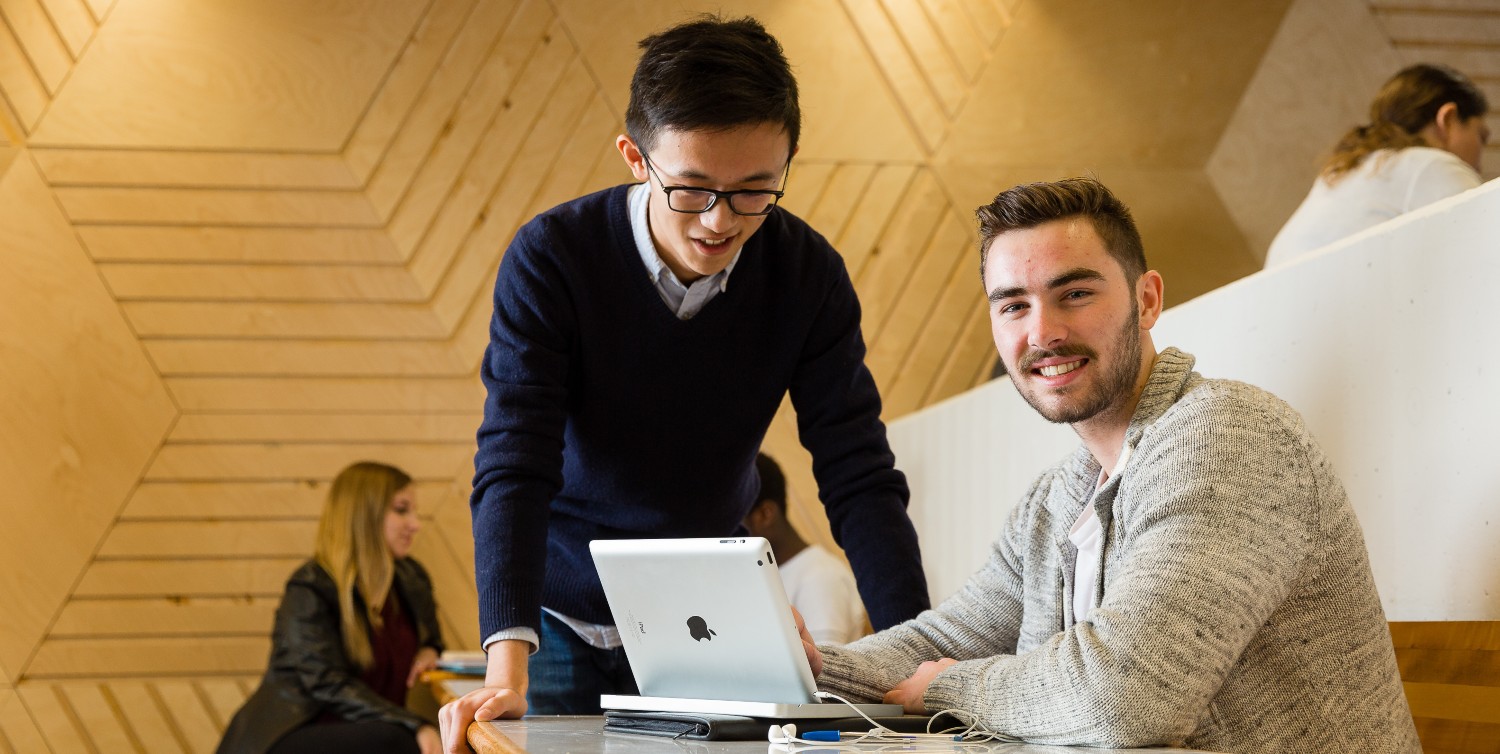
275, 228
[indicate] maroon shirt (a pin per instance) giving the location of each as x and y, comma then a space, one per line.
393, 649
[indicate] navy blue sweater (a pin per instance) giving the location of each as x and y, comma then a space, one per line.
608, 417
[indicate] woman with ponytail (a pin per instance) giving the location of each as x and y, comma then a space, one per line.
355, 629
1422, 144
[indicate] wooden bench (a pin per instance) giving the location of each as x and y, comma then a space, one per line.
1451, 671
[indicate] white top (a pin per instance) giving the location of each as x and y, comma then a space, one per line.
821, 587
1087, 535
1386, 184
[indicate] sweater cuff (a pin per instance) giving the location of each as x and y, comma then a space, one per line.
845, 675
947, 690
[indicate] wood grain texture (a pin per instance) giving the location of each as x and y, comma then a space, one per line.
163, 75
83, 408
293, 214
206, 170
223, 500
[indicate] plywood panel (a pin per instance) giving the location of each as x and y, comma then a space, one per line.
473, 210
197, 75
224, 500
17, 729
221, 244
920, 105
898, 350
185, 616
877, 206
209, 539
433, 113
19, 84
371, 395
940, 335
884, 275
45, 51
834, 209
309, 358
1456, 27
406, 81
138, 704
167, 168
300, 428
82, 407
178, 461
927, 49
171, 206
282, 319
567, 154
189, 717
965, 42
73, 23
259, 283
488, 96
54, 720
70, 658
223, 697
99, 718
204, 578
1454, 702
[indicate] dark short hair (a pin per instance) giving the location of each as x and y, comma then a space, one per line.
711, 74
772, 483
1034, 204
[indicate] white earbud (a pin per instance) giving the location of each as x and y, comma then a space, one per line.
782, 734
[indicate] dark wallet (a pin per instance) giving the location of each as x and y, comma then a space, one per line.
693, 725
709, 727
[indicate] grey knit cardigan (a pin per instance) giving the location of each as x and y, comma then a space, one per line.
1236, 609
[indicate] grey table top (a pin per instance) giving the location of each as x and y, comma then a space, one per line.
583, 735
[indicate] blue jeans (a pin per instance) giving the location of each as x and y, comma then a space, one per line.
567, 675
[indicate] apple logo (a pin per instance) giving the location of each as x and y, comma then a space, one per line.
700, 630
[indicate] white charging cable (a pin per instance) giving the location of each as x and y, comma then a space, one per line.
971, 733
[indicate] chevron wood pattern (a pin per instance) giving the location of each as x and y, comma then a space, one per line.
257, 239
1462, 33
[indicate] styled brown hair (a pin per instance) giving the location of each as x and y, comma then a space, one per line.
1033, 204
711, 74
1404, 106
352, 549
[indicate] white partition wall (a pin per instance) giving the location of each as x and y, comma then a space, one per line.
1387, 342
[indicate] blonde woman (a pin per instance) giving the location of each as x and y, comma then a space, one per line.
355, 629
1423, 143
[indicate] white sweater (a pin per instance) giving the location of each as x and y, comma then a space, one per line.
1386, 184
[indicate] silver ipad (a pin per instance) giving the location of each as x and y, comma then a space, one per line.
707, 621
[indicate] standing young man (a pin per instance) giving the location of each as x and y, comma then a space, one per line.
642, 341
1192, 575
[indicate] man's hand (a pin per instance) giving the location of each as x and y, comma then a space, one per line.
814, 657
425, 660
503, 696
909, 692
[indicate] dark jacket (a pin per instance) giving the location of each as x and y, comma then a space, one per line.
309, 673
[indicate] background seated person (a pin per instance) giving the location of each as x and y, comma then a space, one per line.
356, 627
1423, 143
817, 583
1193, 574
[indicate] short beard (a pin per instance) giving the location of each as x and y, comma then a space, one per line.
1114, 389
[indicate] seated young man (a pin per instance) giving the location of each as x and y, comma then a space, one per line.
1192, 575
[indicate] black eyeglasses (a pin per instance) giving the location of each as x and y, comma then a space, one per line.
694, 200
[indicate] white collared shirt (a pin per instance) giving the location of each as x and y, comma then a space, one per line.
1087, 535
